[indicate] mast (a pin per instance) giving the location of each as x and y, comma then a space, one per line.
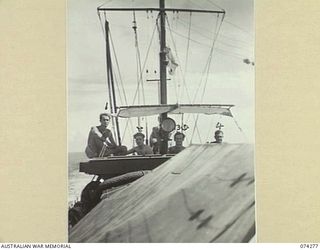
112, 95
163, 73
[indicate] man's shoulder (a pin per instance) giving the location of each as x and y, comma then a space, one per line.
102, 128
147, 147
172, 149
95, 130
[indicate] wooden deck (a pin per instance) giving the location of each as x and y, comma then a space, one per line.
204, 194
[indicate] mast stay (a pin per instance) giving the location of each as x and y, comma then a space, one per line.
112, 95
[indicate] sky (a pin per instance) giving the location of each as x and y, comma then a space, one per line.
229, 81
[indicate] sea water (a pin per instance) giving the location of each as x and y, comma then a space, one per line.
76, 180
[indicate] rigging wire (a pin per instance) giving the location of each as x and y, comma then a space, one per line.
209, 64
205, 71
139, 69
105, 3
175, 49
119, 73
118, 89
109, 79
207, 37
105, 38
196, 4
214, 4
172, 31
143, 67
211, 55
145, 60
210, 126
197, 29
239, 28
138, 62
101, 24
183, 76
121, 85
240, 129
175, 81
232, 24
220, 51
188, 44
118, 68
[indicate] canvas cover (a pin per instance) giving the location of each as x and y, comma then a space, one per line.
203, 194
149, 110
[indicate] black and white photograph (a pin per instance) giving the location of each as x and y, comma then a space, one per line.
161, 121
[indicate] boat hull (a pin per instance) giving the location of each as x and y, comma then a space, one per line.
109, 167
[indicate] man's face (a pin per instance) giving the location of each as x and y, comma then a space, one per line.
179, 139
139, 140
218, 137
105, 120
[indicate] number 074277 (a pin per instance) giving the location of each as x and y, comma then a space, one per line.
308, 245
